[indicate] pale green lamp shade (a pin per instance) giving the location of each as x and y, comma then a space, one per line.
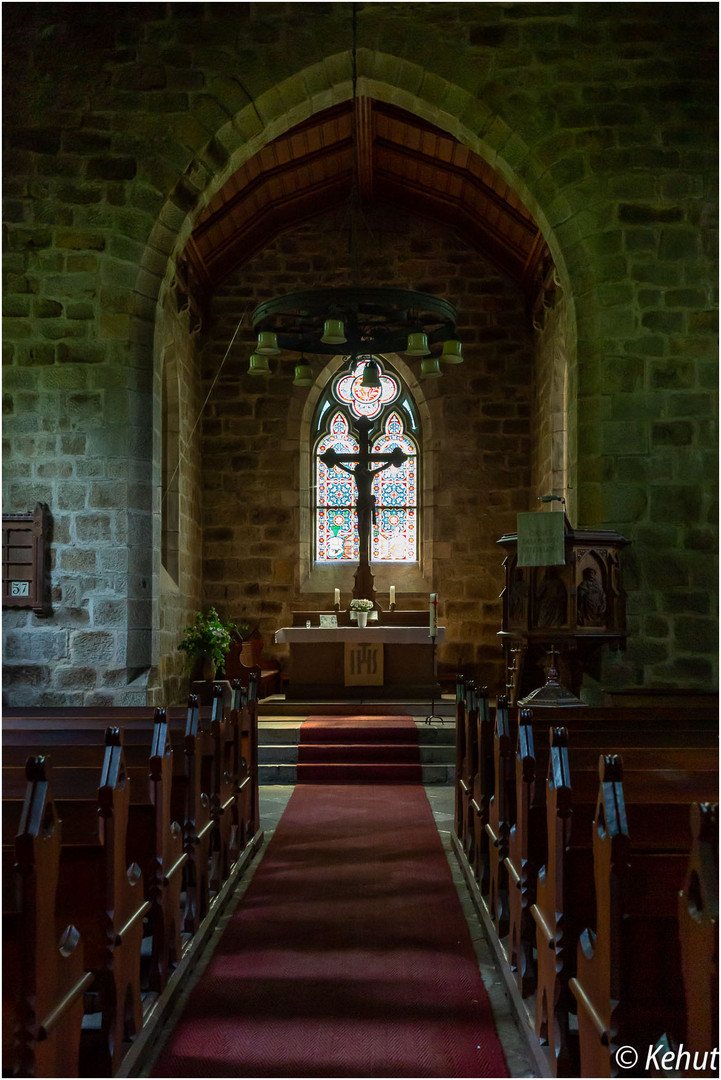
258, 365
333, 332
417, 345
267, 343
452, 353
430, 368
303, 375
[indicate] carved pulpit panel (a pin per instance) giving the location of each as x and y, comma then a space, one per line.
576, 607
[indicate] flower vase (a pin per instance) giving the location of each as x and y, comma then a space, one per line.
362, 617
208, 668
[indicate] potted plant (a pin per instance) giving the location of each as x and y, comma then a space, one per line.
207, 640
361, 608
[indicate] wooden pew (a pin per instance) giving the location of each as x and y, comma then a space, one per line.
153, 841
481, 735
628, 986
565, 887
228, 758
101, 894
216, 786
244, 707
222, 786
461, 778
698, 921
467, 737
44, 975
501, 817
196, 770
527, 841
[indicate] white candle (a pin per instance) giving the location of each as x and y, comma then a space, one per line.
336, 596
433, 621
393, 594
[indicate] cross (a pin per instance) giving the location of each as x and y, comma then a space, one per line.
365, 504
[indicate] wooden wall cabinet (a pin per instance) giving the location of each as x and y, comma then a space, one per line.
24, 560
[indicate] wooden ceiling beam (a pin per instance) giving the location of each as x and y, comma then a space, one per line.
468, 179
242, 244
386, 154
273, 173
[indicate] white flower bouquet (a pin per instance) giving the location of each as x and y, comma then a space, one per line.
361, 605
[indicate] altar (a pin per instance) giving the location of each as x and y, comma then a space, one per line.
349, 663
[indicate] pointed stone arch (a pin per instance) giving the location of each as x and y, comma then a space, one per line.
388, 79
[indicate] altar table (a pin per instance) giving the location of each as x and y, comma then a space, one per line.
321, 659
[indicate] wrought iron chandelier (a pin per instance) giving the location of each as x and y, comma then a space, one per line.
355, 320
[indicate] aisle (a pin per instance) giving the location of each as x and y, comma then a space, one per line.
348, 956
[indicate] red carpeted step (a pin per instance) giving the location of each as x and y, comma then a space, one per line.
358, 753
344, 773
358, 729
359, 750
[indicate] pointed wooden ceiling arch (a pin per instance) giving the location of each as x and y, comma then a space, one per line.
392, 157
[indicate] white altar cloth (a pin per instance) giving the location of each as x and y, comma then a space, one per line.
388, 635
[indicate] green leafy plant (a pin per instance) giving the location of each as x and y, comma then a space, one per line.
361, 605
208, 636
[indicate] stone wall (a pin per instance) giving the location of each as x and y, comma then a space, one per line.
122, 121
551, 402
178, 579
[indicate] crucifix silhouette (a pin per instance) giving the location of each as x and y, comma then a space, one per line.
363, 475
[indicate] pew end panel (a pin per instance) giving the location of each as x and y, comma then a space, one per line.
44, 970
698, 922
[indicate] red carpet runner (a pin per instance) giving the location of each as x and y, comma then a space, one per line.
349, 955
359, 750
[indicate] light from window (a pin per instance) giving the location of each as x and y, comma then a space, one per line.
394, 533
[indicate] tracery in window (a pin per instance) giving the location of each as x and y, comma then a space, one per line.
394, 535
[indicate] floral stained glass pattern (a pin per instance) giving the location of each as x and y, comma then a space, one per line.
336, 533
394, 532
365, 400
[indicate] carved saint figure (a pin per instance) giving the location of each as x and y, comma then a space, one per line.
551, 599
591, 599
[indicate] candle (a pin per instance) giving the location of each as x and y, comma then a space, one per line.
433, 621
393, 594
336, 597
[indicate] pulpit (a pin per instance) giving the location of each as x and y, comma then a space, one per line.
562, 615
392, 658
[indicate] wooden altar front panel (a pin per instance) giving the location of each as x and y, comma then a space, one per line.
317, 663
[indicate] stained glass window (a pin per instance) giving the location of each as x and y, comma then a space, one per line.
394, 531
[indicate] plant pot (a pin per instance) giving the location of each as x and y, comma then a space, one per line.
362, 617
251, 652
208, 668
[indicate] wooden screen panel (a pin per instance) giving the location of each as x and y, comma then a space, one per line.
23, 559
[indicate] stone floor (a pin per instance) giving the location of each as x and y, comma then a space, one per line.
273, 800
